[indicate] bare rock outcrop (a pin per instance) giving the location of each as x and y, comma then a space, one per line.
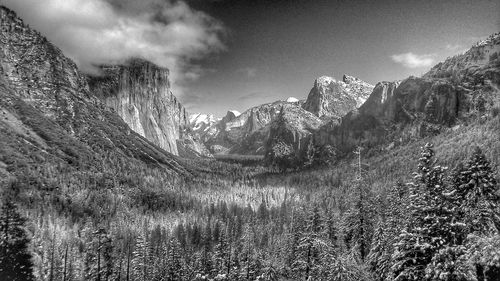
332, 99
139, 92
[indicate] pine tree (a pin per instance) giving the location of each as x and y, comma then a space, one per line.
141, 259
388, 228
475, 194
359, 220
221, 254
312, 247
15, 258
248, 254
175, 268
431, 226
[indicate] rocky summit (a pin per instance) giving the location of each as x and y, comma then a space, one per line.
139, 92
332, 99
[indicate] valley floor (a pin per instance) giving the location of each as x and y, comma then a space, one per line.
120, 221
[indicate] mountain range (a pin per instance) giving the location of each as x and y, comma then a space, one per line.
130, 106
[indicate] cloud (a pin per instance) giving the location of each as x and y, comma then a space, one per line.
412, 60
92, 32
250, 72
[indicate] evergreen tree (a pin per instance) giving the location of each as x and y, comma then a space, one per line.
312, 247
141, 259
15, 258
431, 226
175, 268
359, 220
475, 194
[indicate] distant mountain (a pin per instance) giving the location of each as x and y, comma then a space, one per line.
50, 113
332, 99
249, 132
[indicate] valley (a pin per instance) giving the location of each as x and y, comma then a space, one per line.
108, 177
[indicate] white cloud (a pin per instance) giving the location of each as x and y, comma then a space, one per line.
166, 32
412, 60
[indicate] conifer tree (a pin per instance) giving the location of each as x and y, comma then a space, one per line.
15, 258
175, 268
359, 220
141, 259
475, 194
312, 247
431, 226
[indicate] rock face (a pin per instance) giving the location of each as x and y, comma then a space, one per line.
332, 99
245, 133
44, 94
140, 93
463, 87
254, 130
294, 127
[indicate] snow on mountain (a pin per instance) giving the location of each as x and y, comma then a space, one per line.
292, 99
330, 98
201, 121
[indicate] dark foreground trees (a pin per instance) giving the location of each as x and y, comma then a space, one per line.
15, 256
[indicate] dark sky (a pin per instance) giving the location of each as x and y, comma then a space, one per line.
275, 49
235, 54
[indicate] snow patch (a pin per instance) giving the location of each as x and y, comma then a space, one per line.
235, 112
292, 99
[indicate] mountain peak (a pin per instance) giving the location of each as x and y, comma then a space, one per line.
330, 98
324, 81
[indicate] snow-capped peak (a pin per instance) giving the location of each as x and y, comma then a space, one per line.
292, 99
201, 121
235, 112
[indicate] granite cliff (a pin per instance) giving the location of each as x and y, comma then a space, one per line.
47, 106
332, 99
139, 92
240, 133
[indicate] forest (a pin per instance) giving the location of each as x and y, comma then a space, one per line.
403, 215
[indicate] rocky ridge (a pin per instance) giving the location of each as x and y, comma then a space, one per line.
250, 131
454, 92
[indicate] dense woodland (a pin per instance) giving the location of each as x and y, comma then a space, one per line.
397, 215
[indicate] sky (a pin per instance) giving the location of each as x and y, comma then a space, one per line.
235, 54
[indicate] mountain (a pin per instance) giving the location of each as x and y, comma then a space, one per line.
243, 133
332, 99
452, 94
50, 113
249, 132
294, 127
139, 92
